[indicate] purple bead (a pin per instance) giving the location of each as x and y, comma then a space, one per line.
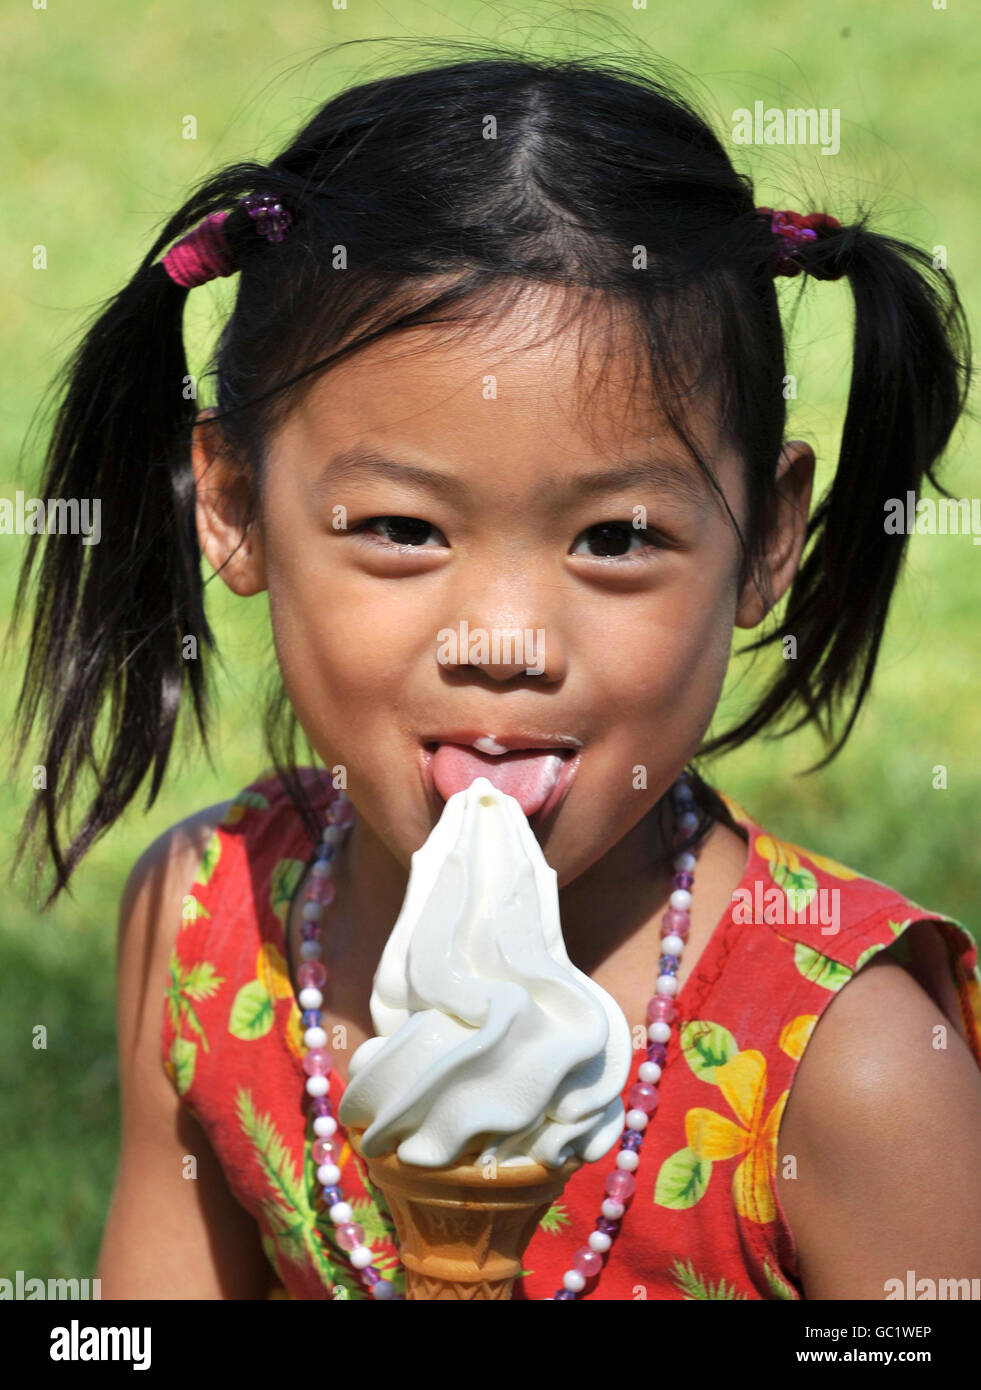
332, 1195
657, 1052
564, 1294
631, 1139
310, 931
668, 965
310, 1018
608, 1227
321, 1106
682, 880
370, 1275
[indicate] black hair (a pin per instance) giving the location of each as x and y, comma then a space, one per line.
600, 176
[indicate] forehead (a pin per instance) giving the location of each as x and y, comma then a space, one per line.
547, 379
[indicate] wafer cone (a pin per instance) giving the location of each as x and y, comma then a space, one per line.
463, 1235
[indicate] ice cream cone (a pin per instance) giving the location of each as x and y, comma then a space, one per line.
463, 1234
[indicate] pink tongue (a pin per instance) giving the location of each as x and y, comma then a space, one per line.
527, 776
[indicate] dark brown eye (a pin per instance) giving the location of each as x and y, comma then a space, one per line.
611, 539
401, 530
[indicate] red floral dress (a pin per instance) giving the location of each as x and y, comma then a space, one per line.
705, 1222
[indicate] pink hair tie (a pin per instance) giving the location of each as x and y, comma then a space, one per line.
204, 253
794, 229
201, 255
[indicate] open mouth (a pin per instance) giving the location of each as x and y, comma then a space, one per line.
537, 778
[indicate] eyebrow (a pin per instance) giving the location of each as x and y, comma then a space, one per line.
659, 475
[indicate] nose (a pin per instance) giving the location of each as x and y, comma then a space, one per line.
502, 646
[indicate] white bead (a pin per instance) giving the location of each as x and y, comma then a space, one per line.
688, 821
324, 1126
321, 869
317, 1086
659, 1032
361, 1256
328, 1175
628, 1160
680, 899
684, 863
672, 945
636, 1119
334, 834
340, 1212
312, 912
311, 950
612, 1210
309, 998
574, 1281
315, 1037
600, 1242
666, 986
382, 1289
649, 1072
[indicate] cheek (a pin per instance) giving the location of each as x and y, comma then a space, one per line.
667, 658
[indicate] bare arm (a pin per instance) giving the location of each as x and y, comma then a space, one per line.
167, 1235
886, 1130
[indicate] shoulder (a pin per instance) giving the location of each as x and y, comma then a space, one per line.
150, 906
172, 857
883, 1124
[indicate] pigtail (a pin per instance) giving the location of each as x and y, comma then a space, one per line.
910, 380
107, 653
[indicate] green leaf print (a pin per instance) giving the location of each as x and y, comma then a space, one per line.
707, 1046
254, 799
827, 973
778, 1287
291, 1214
800, 885
192, 911
694, 1285
282, 885
554, 1219
682, 1180
197, 982
182, 1055
868, 953
252, 1012
209, 859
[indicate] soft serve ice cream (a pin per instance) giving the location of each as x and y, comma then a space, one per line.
490, 1041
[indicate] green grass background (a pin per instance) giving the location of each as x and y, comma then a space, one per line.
94, 99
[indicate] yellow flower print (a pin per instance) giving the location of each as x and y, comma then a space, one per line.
795, 1035
742, 1081
272, 970
294, 1033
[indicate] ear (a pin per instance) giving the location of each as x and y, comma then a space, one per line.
233, 547
786, 533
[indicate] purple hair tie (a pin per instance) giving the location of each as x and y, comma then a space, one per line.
204, 254
794, 229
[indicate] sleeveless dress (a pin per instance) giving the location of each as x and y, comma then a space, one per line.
705, 1221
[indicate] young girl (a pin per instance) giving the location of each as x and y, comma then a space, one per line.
500, 428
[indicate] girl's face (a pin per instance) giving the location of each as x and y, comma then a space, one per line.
426, 501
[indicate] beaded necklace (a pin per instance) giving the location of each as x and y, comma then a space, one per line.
642, 1100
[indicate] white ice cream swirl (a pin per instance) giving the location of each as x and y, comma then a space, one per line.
488, 1035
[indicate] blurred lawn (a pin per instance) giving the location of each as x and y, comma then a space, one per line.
94, 101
